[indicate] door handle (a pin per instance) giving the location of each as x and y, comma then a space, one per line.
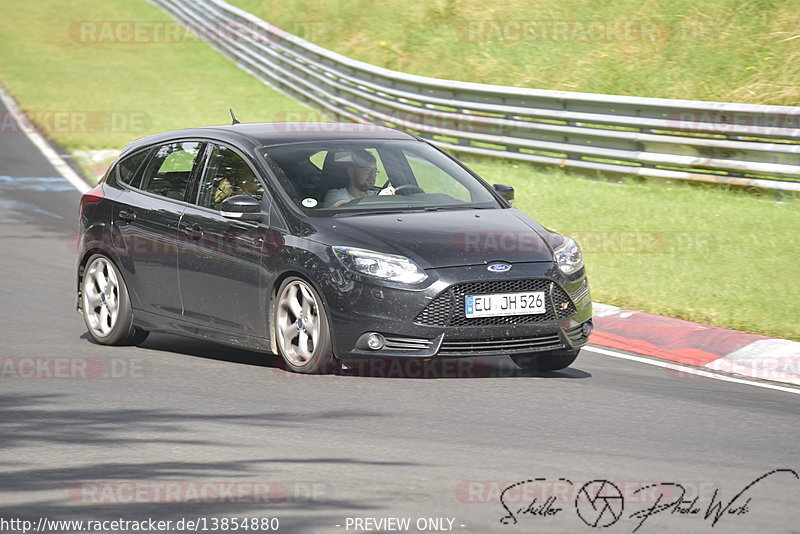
127, 215
195, 231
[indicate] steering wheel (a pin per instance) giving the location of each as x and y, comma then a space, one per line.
409, 189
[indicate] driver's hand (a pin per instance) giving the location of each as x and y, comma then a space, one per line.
224, 190
387, 191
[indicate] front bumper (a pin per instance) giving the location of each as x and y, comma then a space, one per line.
428, 321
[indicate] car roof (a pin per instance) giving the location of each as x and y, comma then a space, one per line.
271, 133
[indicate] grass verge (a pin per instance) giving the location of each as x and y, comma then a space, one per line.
723, 50
719, 257
86, 81
708, 255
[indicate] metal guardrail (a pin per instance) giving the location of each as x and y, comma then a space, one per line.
736, 144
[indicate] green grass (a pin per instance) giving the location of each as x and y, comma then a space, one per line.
710, 255
724, 50
112, 93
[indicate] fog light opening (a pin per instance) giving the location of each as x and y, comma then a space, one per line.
587, 328
375, 341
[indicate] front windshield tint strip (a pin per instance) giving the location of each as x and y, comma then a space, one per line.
328, 178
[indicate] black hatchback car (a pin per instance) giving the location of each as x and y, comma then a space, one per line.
324, 243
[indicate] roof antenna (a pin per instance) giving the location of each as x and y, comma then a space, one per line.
233, 117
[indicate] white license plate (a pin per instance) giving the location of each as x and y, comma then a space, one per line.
499, 304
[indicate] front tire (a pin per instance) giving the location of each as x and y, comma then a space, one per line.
106, 305
553, 360
302, 331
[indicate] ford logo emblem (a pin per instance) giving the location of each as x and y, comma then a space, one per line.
499, 267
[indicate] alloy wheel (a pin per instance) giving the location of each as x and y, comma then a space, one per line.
298, 322
100, 297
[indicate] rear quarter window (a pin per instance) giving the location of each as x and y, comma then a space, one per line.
127, 168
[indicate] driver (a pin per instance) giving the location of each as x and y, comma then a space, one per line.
246, 185
361, 173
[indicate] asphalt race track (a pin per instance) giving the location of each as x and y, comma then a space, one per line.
144, 432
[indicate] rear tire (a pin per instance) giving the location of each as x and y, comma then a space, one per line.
301, 328
546, 361
106, 305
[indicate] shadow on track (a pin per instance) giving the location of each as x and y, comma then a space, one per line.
83, 488
39, 419
476, 367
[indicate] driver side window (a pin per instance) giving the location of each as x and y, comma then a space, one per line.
226, 175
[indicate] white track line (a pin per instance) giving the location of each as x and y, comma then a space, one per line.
691, 370
40, 143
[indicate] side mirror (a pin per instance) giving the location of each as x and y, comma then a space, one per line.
505, 191
241, 207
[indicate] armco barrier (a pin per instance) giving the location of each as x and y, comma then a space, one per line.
737, 144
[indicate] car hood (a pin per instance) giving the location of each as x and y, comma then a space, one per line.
443, 238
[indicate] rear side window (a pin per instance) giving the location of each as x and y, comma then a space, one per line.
126, 170
167, 173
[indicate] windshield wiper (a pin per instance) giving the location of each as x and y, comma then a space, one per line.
456, 207
374, 212
419, 209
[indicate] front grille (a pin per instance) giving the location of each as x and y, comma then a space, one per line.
406, 343
500, 345
437, 313
447, 309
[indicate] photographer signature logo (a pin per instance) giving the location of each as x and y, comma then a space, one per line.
599, 503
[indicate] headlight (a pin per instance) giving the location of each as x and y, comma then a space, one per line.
568, 256
384, 266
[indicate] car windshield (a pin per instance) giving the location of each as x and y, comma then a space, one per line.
335, 178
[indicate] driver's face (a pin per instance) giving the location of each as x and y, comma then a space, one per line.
363, 178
